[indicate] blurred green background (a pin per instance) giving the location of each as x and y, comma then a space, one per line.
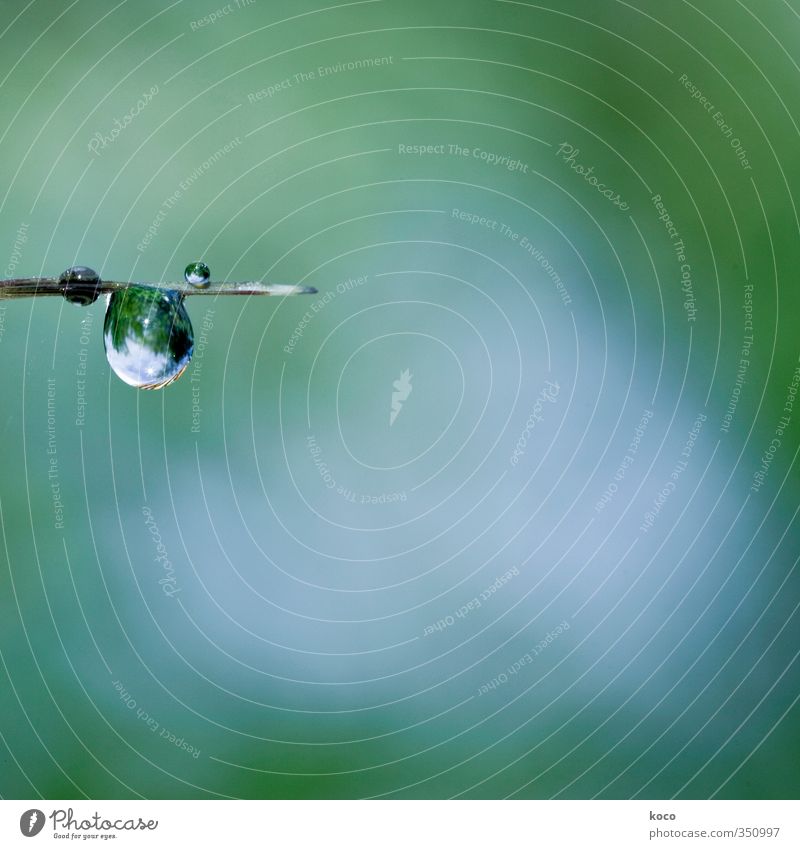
254, 583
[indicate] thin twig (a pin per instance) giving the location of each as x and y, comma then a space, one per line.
26, 287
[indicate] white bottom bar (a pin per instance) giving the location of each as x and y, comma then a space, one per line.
391, 824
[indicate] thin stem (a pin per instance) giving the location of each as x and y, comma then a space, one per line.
26, 287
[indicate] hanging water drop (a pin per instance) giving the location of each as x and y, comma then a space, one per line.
197, 274
148, 336
80, 285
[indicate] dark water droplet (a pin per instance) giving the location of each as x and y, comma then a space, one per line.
197, 274
81, 285
148, 336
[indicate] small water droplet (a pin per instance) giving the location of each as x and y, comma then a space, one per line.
80, 285
197, 274
148, 336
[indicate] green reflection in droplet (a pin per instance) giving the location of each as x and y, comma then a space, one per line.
148, 336
197, 274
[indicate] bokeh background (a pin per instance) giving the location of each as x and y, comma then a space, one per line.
568, 567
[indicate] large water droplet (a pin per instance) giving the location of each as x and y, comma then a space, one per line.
148, 336
197, 274
80, 285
